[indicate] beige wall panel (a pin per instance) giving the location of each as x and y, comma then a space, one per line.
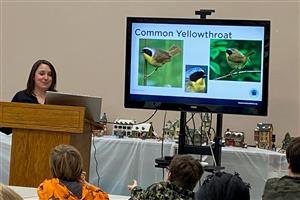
85, 40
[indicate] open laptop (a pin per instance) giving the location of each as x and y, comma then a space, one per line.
92, 104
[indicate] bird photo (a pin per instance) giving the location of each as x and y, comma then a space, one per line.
159, 57
196, 79
235, 60
160, 62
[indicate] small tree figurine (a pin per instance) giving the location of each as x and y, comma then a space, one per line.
285, 142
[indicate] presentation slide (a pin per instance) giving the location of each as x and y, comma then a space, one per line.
198, 61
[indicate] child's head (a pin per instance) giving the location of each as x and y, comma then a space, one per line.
293, 155
185, 171
65, 162
223, 186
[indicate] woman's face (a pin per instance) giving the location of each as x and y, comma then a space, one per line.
43, 77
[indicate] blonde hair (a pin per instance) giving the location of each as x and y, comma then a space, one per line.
65, 162
6, 193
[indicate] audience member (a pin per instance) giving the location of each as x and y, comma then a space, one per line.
183, 174
68, 180
286, 187
6, 193
223, 186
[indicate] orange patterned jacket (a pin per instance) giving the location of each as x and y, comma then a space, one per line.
54, 190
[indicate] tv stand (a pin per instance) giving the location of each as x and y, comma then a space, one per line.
184, 148
201, 150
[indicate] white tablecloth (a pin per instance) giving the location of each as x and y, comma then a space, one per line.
122, 160
255, 166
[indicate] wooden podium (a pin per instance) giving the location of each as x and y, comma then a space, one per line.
36, 130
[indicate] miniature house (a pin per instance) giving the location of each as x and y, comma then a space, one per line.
263, 135
123, 127
143, 131
234, 138
171, 129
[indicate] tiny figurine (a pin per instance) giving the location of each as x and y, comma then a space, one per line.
273, 142
285, 142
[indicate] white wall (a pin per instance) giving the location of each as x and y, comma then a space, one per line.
85, 40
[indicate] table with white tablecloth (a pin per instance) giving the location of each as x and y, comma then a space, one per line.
119, 161
122, 160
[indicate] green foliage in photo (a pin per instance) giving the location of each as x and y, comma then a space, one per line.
242, 63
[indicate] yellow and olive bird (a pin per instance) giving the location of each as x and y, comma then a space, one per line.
197, 82
236, 59
158, 57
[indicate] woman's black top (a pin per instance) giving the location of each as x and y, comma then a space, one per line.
23, 97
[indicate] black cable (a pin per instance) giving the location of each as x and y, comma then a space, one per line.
147, 119
98, 176
163, 135
95, 150
162, 142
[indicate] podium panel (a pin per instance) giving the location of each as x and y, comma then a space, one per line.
36, 130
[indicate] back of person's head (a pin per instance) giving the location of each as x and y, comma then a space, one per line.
6, 193
31, 82
223, 186
185, 171
65, 162
293, 155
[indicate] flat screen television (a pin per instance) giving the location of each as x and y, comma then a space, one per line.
197, 65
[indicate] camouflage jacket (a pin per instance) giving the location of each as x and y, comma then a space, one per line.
286, 187
161, 191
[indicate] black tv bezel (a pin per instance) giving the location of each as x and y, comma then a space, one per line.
165, 103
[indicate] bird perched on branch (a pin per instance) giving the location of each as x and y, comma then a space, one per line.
197, 82
158, 57
236, 59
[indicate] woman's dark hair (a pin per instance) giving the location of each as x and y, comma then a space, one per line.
185, 171
293, 155
31, 83
223, 186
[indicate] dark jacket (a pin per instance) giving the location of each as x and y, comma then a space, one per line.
24, 97
286, 187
